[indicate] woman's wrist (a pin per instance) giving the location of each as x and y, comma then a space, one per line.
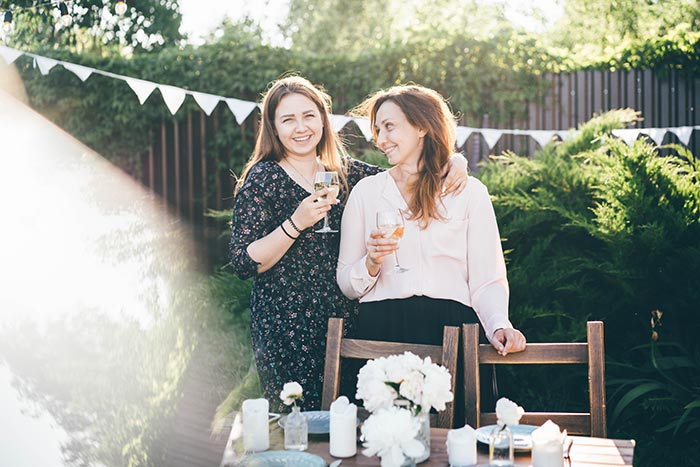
295, 225
372, 267
286, 231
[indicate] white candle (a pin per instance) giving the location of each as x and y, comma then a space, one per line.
461, 446
343, 426
547, 446
256, 434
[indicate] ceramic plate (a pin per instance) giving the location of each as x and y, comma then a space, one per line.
283, 459
522, 440
319, 422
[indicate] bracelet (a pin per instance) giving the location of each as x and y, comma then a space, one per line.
287, 233
294, 225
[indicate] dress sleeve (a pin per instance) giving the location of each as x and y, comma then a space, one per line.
488, 283
353, 278
251, 216
357, 170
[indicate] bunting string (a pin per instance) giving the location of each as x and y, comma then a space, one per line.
174, 97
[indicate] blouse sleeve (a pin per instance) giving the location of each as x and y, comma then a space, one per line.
488, 284
353, 278
251, 216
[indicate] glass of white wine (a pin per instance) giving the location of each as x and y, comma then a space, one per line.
327, 180
391, 224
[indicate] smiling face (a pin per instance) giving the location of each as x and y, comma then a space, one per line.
401, 142
298, 125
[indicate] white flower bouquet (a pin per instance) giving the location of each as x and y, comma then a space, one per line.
396, 390
404, 380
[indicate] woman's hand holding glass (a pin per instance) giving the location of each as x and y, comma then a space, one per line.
313, 208
378, 247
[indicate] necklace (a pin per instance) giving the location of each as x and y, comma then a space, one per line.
311, 184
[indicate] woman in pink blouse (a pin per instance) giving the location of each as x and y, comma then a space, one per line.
450, 250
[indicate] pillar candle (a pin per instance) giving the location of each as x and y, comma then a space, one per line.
256, 431
461, 446
343, 427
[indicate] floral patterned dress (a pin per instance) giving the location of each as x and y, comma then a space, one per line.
292, 301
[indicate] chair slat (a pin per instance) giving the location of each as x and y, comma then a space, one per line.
590, 353
338, 348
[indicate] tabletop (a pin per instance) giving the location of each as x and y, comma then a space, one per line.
584, 452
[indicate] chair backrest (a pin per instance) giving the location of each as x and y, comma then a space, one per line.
338, 347
589, 353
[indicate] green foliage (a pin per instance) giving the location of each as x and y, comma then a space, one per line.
596, 229
147, 25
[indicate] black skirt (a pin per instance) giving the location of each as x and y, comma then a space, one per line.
420, 320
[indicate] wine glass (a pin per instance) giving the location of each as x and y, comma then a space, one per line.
327, 180
391, 224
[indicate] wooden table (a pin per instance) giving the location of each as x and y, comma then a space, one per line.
584, 452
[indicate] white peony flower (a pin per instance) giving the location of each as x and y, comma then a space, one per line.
508, 412
437, 388
398, 366
412, 387
372, 387
291, 392
391, 435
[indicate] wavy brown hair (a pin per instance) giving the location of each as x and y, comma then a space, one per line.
425, 109
268, 146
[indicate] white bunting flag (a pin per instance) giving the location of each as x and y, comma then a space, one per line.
207, 102
363, 124
656, 134
80, 71
683, 133
141, 88
45, 64
338, 121
462, 133
491, 136
240, 109
629, 136
10, 55
173, 97
541, 136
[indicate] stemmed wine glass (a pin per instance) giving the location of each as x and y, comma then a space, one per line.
327, 180
391, 224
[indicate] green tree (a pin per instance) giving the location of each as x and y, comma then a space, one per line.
146, 25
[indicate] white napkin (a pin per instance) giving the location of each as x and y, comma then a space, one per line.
343, 428
461, 446
547, 445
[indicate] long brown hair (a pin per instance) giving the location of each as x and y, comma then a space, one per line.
427, 110
268, 146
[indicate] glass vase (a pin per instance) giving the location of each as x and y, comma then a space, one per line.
296, 431
501, 446
424, 435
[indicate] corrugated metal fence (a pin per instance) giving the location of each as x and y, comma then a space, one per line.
181, 166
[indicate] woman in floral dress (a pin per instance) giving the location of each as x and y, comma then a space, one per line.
274, 239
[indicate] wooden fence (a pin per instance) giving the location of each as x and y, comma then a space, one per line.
180, 166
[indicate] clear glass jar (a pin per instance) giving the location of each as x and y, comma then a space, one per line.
424, 435
296, 431
501, 446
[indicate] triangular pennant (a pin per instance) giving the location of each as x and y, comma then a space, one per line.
45, 64
364, 126
462, 133
80, 71
683, 133
240, 109
10, 55
629, 136
338, 121
541, 136
207, 102
491, 136
173, 97
141, 88
656, 134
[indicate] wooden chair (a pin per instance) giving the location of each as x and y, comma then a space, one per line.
338, 347
589, 353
